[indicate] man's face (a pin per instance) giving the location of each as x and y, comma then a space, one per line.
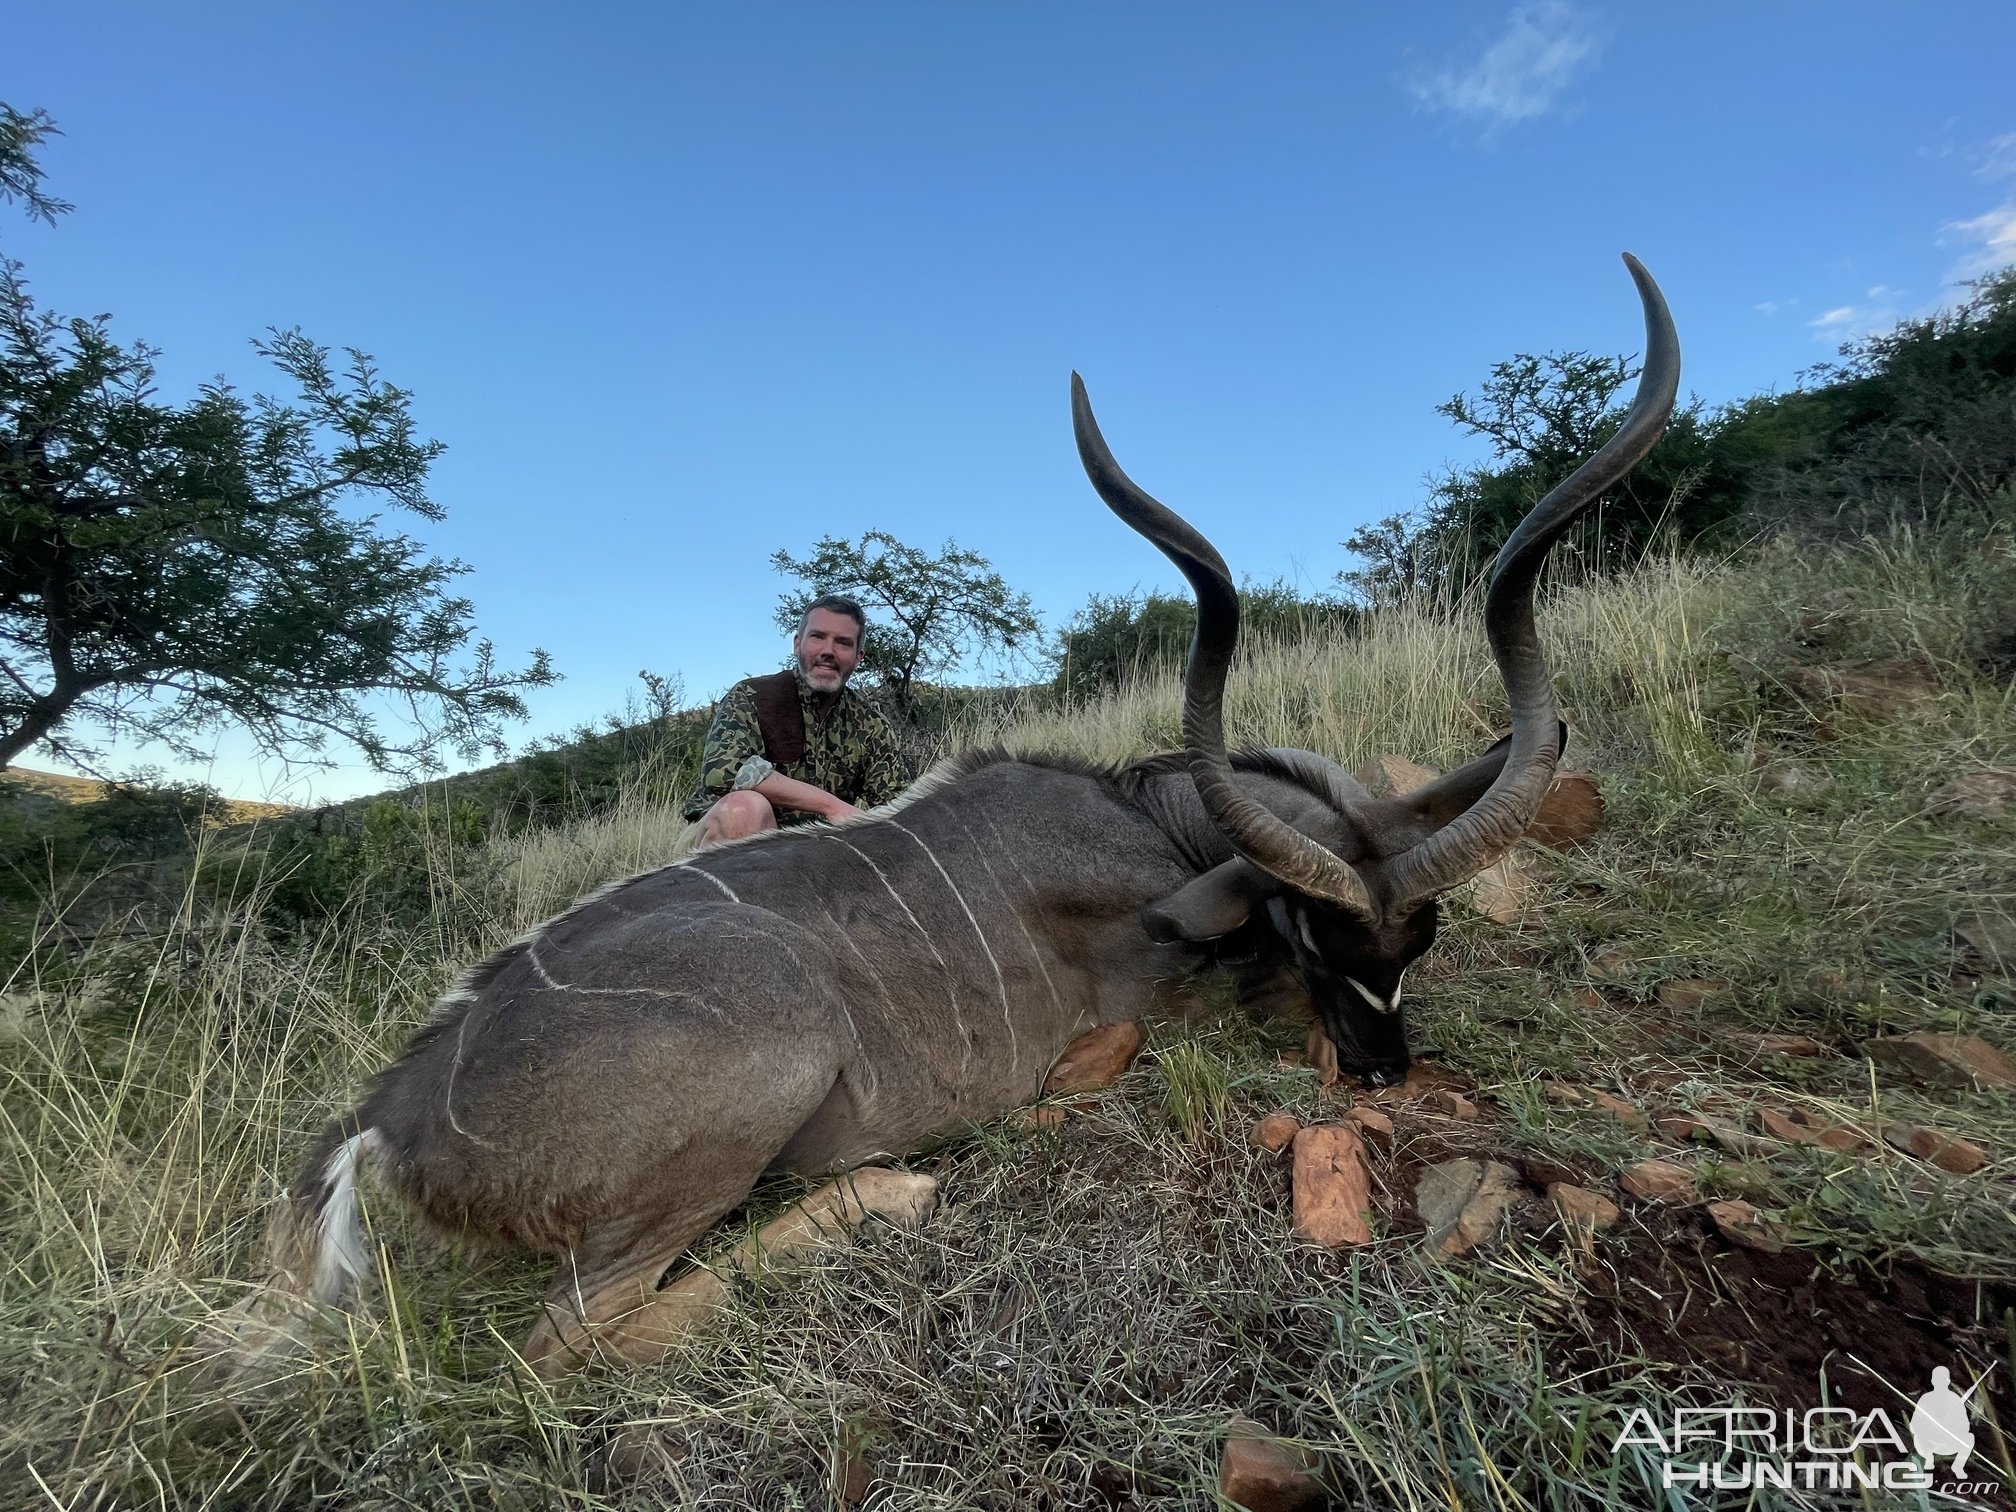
828, 650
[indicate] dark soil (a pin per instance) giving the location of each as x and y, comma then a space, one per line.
1778, 1325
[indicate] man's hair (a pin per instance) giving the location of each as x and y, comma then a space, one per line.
835, 603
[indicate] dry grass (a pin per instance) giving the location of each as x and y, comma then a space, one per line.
1076, 1324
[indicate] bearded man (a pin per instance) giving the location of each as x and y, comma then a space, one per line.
798, 746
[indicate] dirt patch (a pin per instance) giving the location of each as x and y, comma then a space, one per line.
1781, 1323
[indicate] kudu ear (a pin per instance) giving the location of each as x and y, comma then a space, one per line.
1450, 794
1214, 904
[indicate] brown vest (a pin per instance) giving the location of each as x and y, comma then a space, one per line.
780, 716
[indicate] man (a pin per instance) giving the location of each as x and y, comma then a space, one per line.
797, 746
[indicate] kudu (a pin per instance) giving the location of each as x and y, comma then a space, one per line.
608, 1086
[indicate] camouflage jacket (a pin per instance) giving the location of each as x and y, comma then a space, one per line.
851, 751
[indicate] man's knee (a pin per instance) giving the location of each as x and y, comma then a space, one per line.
735, 815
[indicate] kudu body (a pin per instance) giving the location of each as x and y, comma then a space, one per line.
607, 1087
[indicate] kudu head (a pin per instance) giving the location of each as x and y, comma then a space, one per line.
1351, 885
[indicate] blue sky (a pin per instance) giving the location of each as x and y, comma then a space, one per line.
683, 284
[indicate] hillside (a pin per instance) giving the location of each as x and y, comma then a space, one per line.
70, 789
1812, 836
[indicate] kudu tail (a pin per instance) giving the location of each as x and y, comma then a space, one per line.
317, 1258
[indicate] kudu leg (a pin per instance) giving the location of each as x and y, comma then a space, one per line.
620, 1310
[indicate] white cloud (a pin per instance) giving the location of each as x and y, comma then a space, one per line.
1521, 74
1987, 242
1767, 307
1998, 158
1846, 322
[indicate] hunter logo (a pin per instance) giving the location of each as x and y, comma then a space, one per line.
1822, 1448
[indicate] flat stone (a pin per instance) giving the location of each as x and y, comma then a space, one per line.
1788, 1044
1044, 1116
1949, 1152
1991, 937
1095, 1059
1452, 1105
638, 1452
1375, 1126
1681, 1128
1659, 1181
1390, 776
1333, 1188
1685, 994
1886, 690
1276, 1132
1946, 1060
1263, 1474
1463, 1202
1615, 963
1571, 812
1590, 1099
1792, 779
1505, 890
1740, 1223
1779, 1126
1619, 1109
1796, 1127
1581, 1208
1986, 794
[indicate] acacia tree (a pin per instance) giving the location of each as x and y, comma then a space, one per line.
170, 569
924, 612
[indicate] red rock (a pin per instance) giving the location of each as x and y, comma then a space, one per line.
1659, 1181
1685, 994
1947, 1060
1681, 1128
1505, 890
1452, 1104
1618, 1109
1588, 999
1571, 812
1333, 1189
1262, 1474
1045, 1116
1374, 1125
1463, 1202
1581, 1208
1778, 1126
1390, 776
1740, 1223
1565, 1093
1949, 1152
1276, 1132
1095, 1059
1803, 1128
